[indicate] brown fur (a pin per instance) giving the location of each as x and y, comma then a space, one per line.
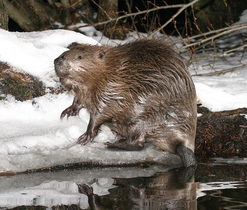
141, 90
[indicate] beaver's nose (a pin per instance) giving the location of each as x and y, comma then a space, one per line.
59, 60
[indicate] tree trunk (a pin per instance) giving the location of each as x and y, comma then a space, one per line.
23, 21
108, 9
42, 13
86, 9
3, 16
65, 12
216, 14
30, 15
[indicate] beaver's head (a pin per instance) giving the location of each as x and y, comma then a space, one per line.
78, 62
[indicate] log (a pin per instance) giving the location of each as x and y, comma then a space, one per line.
21, 85
23, 21
221, 134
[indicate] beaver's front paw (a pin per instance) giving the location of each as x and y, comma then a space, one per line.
85, 138
85, 189
70, 111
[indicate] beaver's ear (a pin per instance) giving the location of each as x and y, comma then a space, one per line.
102, 54
73, 44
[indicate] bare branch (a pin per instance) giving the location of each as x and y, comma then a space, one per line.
131, 15
174, 16
221, 72
102, 11
224, 53
223, 32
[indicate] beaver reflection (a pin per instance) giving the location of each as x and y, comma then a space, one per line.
165, 190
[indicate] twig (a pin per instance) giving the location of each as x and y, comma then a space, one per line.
173, 17
215, 31
223, 32
132, 14
221, 53
102, 10
220, 72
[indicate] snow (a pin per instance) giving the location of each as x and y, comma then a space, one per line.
35, 52
33, 136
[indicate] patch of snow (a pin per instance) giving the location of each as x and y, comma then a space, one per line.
34, 52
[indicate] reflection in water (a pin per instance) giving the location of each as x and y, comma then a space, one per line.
230, 196
218, 185
165, 190
222, 184
116, 188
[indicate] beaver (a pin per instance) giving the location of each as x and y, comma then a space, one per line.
141, 90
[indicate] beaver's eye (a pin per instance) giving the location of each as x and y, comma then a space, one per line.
79, 57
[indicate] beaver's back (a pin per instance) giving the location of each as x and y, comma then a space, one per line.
150, 67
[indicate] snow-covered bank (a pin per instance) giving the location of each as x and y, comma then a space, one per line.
34, 52
32, 135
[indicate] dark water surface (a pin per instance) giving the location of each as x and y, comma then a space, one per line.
215, 184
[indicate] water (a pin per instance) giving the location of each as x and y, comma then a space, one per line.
217, 184
222, 184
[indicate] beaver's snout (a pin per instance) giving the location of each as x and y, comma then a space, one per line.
59, 67
59, 60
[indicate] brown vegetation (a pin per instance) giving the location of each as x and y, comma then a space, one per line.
221, 134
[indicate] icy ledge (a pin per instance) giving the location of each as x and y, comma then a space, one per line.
33, 137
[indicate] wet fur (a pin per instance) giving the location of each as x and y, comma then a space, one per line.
141, 90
